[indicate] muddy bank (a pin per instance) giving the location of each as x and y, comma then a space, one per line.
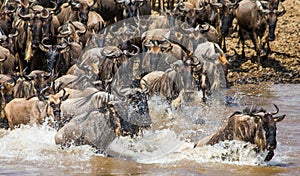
282, 65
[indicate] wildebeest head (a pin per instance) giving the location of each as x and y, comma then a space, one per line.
252, 125
123, 35
53, 52
6, 87
134, 112
36, 16
265, 137
40, 79
130, 7
226, 14
53, 104
272, 21
190, 14
82, 8
271, 14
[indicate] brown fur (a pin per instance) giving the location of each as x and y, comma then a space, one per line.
249, 126
31, 111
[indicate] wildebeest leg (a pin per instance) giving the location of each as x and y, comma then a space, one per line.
254, 39
268, 49
161, 5
203, 86
242, 39
224, 44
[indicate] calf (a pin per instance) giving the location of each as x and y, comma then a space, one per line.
34, 110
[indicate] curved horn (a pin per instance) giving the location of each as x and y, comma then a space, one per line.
261, 114
195, 59
91, 3
282, 12
23, 16
14, 35
98, 82
10, 11
53, 8
47, 15
277, 110
108, 54
5, 57
187, 30
233, 3
181, 6
74, 4
44, 47
62, 30
63, 45
120, 1
200, 9
148, 44
219, 5
111, 79
37, 8
167, 60
80, 27
134, 53
47, 75
202, 29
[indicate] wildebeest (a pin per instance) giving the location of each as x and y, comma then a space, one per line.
215, 63
104, 62
31, 85
254, 18
60, 55
170, 83
252, 125
131, 8
8, 61
227, 14
114, 118
89, 102
6, 91
34, 110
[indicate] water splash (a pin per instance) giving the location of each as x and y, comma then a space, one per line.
35, 146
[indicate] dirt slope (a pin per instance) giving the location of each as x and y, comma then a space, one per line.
283, 64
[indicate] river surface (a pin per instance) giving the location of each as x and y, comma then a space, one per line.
167, 148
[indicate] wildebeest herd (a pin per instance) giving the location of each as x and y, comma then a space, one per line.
91, 65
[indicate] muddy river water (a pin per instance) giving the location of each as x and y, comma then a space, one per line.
167, 148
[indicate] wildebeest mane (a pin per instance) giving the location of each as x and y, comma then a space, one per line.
253, 110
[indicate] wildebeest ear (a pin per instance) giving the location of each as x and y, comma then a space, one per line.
279, 118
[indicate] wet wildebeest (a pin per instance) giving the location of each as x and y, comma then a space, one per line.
34, 110
252, 125
114, 118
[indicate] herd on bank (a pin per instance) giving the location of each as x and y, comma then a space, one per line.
91, 65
